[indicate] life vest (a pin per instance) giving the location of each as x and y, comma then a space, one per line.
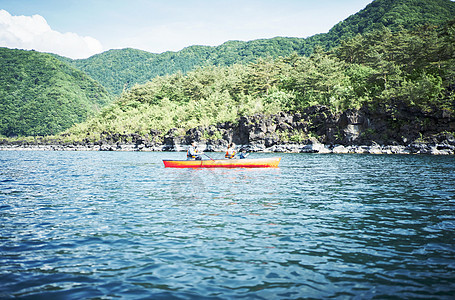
230, 153
190, 154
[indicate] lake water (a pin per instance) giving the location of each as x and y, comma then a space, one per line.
107, 225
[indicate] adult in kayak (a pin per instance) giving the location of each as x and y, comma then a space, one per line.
193, 153
230, 152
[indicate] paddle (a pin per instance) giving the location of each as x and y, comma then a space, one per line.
208, 156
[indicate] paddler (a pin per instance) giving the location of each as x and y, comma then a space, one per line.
243, 154
230, 152
193, 153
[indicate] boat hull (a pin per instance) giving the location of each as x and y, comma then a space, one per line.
270, 162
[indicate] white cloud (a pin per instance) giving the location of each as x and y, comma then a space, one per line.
25, 32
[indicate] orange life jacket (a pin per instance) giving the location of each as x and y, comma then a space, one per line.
230, 153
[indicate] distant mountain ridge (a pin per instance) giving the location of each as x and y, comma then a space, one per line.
120, 69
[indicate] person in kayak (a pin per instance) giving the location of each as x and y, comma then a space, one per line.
193, 153
243, 154
230, 152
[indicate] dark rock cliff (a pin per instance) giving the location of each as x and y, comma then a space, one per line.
319, 124
315, 129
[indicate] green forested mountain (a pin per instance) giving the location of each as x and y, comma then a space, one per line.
120, 69
40, 95
393, 51
380, 70
393, 14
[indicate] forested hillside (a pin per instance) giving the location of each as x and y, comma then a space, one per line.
393, 52
40, 95
380, 70
393, 14
120, 69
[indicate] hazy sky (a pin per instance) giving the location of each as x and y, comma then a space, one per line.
81, 28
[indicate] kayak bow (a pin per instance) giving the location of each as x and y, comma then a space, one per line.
271, 162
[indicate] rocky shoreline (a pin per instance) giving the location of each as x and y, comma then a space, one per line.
315, 130
414, 148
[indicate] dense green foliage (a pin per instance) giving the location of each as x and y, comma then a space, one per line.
393, 52
40, 95
392, 14
118, 70
380, 69
415, 68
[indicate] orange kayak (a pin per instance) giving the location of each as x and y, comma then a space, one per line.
271, 162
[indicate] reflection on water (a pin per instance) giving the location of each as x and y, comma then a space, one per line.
103, 224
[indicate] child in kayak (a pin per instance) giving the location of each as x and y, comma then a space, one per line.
243, 154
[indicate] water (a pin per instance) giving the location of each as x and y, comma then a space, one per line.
108, 225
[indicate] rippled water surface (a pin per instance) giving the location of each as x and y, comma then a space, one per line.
119, 225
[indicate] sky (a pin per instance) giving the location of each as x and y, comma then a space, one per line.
81, 28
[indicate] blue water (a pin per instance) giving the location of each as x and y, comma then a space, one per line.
109, 225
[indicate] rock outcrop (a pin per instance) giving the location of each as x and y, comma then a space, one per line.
314, 130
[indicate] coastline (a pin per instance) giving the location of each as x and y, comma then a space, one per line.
314, 130
413, 148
